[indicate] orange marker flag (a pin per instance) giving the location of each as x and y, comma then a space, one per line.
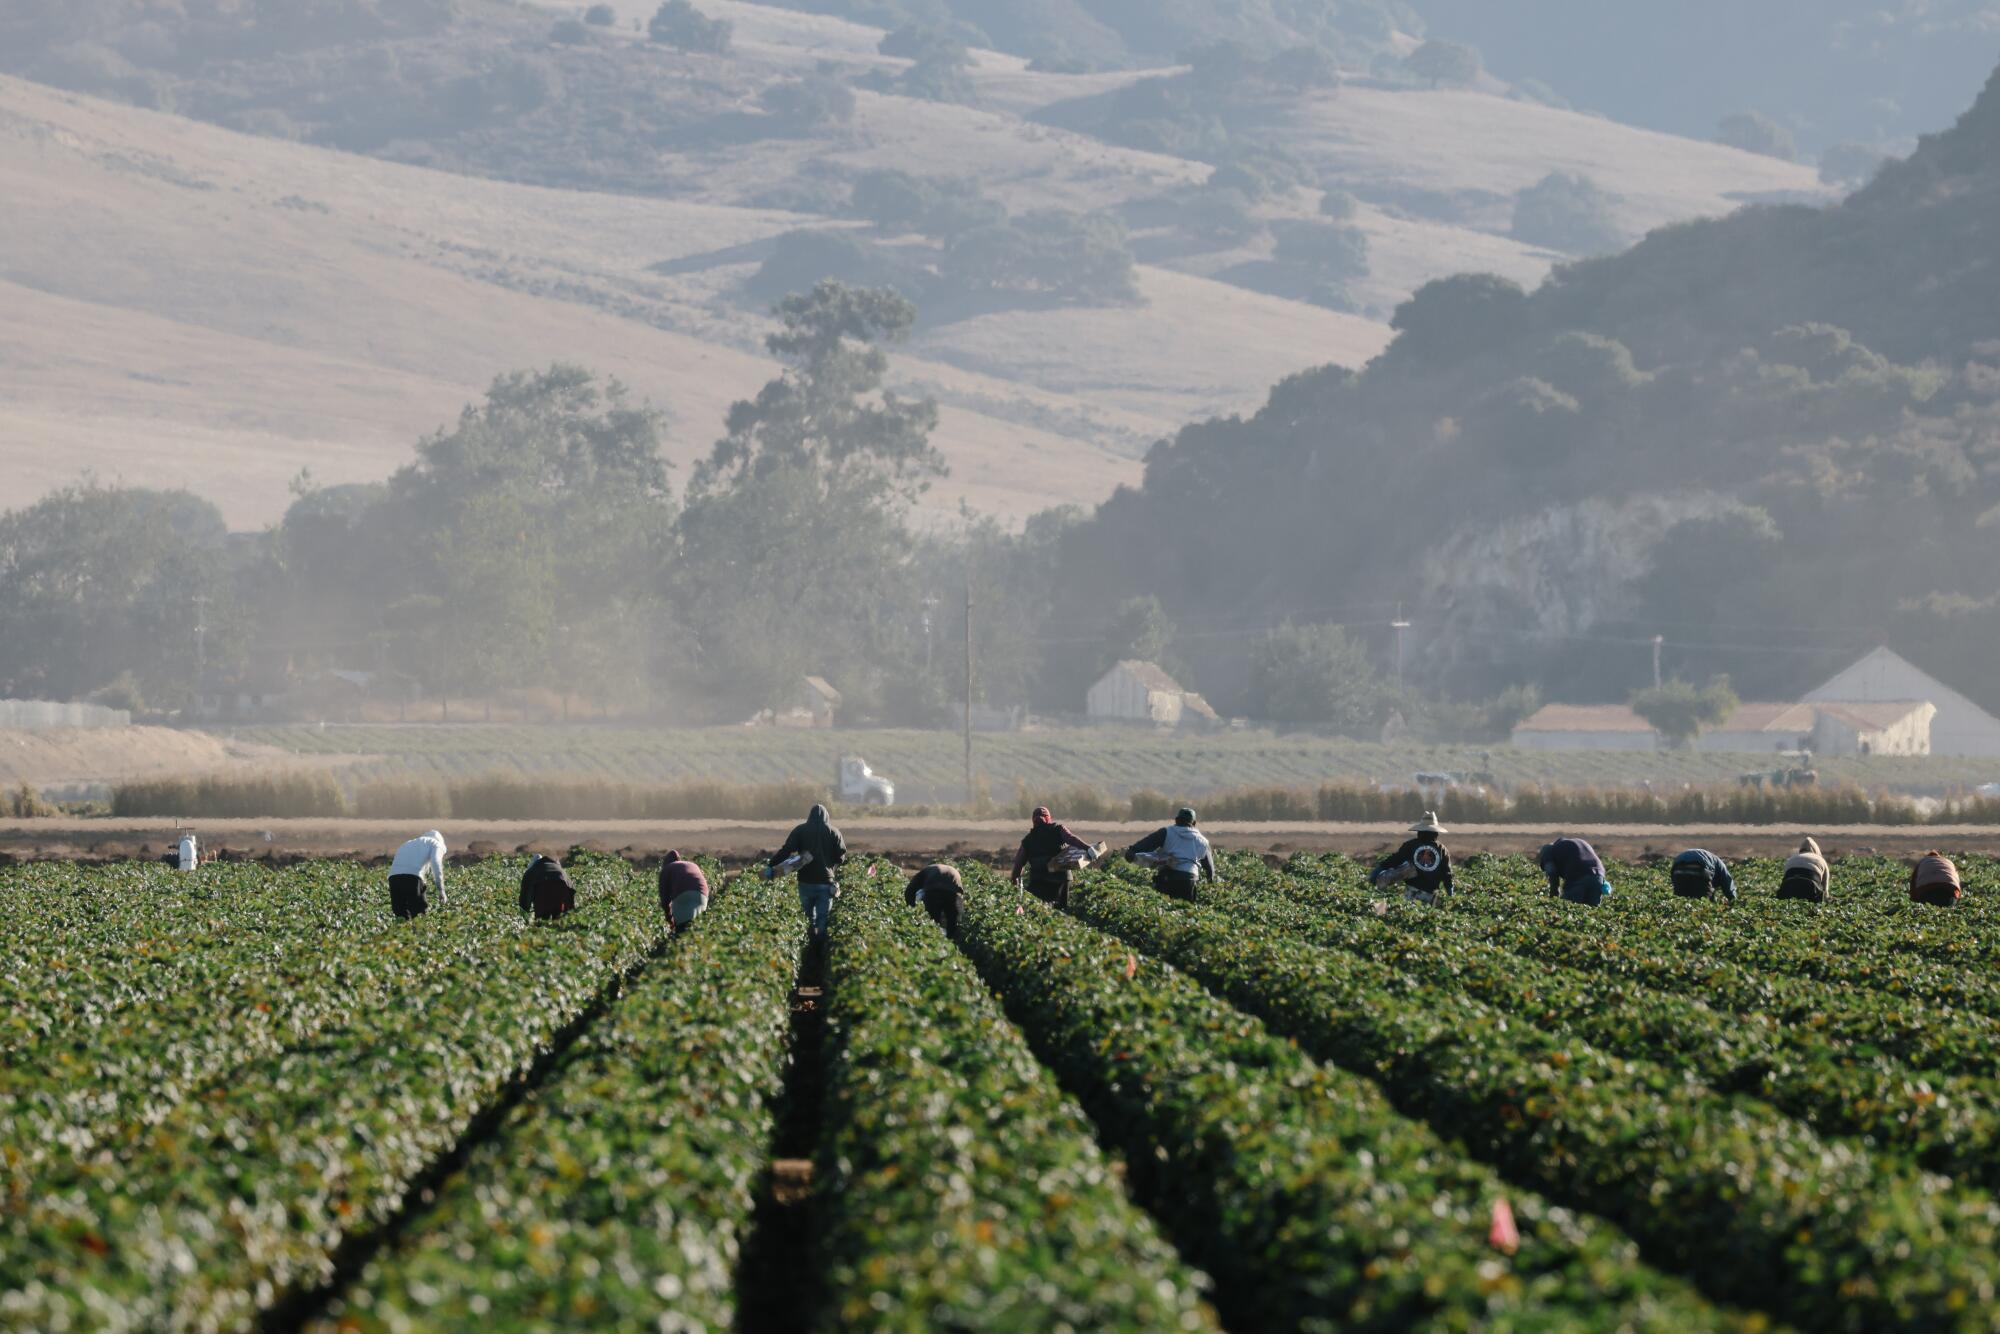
1504, 1236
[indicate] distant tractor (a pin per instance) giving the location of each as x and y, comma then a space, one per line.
1797, 773
855, 783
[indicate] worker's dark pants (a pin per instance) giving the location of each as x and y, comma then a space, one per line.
1175, 884
1938, 896
1798, 886
1692, 885
406, 896
1050, 888
943, 909
1589, 893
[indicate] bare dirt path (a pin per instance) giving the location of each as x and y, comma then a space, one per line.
909, 838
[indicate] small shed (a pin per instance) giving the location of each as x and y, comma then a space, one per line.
1585, 727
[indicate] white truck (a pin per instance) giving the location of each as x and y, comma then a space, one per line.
854, 782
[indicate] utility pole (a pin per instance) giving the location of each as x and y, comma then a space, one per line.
1399, 625
1658, 640
200, 636
930, 605
968, 685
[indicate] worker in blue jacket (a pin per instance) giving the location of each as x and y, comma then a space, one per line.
1700, 874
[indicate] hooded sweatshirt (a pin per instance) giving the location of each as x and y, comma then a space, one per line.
546, 874
1808, 863
678, 877
822, 842
1437, 877
1698, 866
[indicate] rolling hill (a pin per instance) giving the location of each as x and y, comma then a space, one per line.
183, 303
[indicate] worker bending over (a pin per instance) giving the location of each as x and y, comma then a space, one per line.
942, 892
1700, 874
1575, 872
683, 892
820, 850
1934, 880
1179, 855
1051, 854
546, 890
1805, 875
421, 857
1421, 865
188, 855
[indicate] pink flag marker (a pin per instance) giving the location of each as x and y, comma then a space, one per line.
1504, 1236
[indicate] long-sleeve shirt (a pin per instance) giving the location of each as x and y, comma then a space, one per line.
190, 853
422, 856
1042, 843
1807, 864
1697, 864
678, 878
1934, 872
1187, 849
933, 879
546, 875
1570, 861
1433, 869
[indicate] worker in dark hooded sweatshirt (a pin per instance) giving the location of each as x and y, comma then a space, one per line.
1575, 871
941, 890
1179, 855
546, 889
1421, 865
822, 851
1041, 856
1700, 874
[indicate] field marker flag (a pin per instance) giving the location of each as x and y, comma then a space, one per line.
1131, 966
1503, 1236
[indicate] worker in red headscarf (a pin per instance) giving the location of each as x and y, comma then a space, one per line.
1051, 854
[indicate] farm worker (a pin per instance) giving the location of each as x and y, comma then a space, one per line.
1805, 875
1575, 871
190, 853
420, 857
824, 850
546, 889
942, 892
1041, 855
1700, 874
683, 892
1421, 865
1934, 880
1179, 854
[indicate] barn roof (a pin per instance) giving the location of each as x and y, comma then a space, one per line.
1150, 675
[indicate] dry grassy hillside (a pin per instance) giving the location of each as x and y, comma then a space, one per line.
181, 304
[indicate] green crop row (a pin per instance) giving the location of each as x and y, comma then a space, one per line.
619, 1193
1928, 1016
1839, 1087
957, 1187
233, 1201
1311, 1201
1755, 1206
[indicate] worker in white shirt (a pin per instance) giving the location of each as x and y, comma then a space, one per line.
190, 854
420, 857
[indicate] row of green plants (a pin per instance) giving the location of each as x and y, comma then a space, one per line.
316, 794
1752, 1204
1310, 1200
1840, 1084
1910, 981
957, 1187
133, 987
235, 1201
620, 1192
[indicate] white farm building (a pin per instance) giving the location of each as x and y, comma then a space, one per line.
1142, 692
1890, 727
1960, 727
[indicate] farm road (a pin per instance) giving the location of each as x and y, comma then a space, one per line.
914, 837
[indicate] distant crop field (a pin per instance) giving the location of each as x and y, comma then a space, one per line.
929, 766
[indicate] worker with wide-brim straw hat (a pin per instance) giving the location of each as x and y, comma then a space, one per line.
1421, 865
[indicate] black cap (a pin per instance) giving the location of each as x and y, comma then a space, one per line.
1186, 816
